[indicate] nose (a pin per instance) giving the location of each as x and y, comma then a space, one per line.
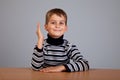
57, 25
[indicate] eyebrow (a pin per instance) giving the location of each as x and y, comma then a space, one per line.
60, 20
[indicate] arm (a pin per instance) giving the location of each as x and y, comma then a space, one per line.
77, 63
37, 58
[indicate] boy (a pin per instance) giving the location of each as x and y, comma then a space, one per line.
56, 54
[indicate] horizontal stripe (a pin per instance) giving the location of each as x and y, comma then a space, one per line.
75, 55
37, 60
35, 66
55, 60
37, 55
74, 50
55, 55
47, 63
56, 50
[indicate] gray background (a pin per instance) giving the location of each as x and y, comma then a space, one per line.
94, 26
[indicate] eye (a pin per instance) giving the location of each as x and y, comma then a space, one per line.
52, 22
62, 23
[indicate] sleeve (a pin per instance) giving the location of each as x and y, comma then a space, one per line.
76, 63
37, 59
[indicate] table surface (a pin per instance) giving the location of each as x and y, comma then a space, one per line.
29, 74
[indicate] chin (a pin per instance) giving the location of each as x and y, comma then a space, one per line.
57, 36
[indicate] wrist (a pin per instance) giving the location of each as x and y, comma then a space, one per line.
39, 43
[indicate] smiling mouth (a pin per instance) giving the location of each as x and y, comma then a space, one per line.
57, 30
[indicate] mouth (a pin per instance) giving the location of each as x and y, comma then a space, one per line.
57, 30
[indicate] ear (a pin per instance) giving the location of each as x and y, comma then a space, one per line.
46, 28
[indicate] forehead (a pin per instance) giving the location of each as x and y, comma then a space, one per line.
57, 17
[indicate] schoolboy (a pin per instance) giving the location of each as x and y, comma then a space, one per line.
56, 54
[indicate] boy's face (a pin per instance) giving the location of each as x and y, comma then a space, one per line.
56, 26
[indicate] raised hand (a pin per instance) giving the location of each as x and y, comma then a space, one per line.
40, 36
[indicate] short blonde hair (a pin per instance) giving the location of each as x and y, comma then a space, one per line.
56, 11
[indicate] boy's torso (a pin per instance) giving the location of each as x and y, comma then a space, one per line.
56, 55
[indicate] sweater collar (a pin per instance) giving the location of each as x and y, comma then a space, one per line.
55, 41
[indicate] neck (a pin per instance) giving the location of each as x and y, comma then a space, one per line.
55, 41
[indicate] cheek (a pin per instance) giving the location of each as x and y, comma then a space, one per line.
47, 28
65, 29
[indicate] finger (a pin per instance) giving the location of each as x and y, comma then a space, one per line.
38, 28
38, 24
44, 70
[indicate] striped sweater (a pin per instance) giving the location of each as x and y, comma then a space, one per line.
55, 55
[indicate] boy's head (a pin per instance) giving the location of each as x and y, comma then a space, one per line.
56, 22
58, 12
